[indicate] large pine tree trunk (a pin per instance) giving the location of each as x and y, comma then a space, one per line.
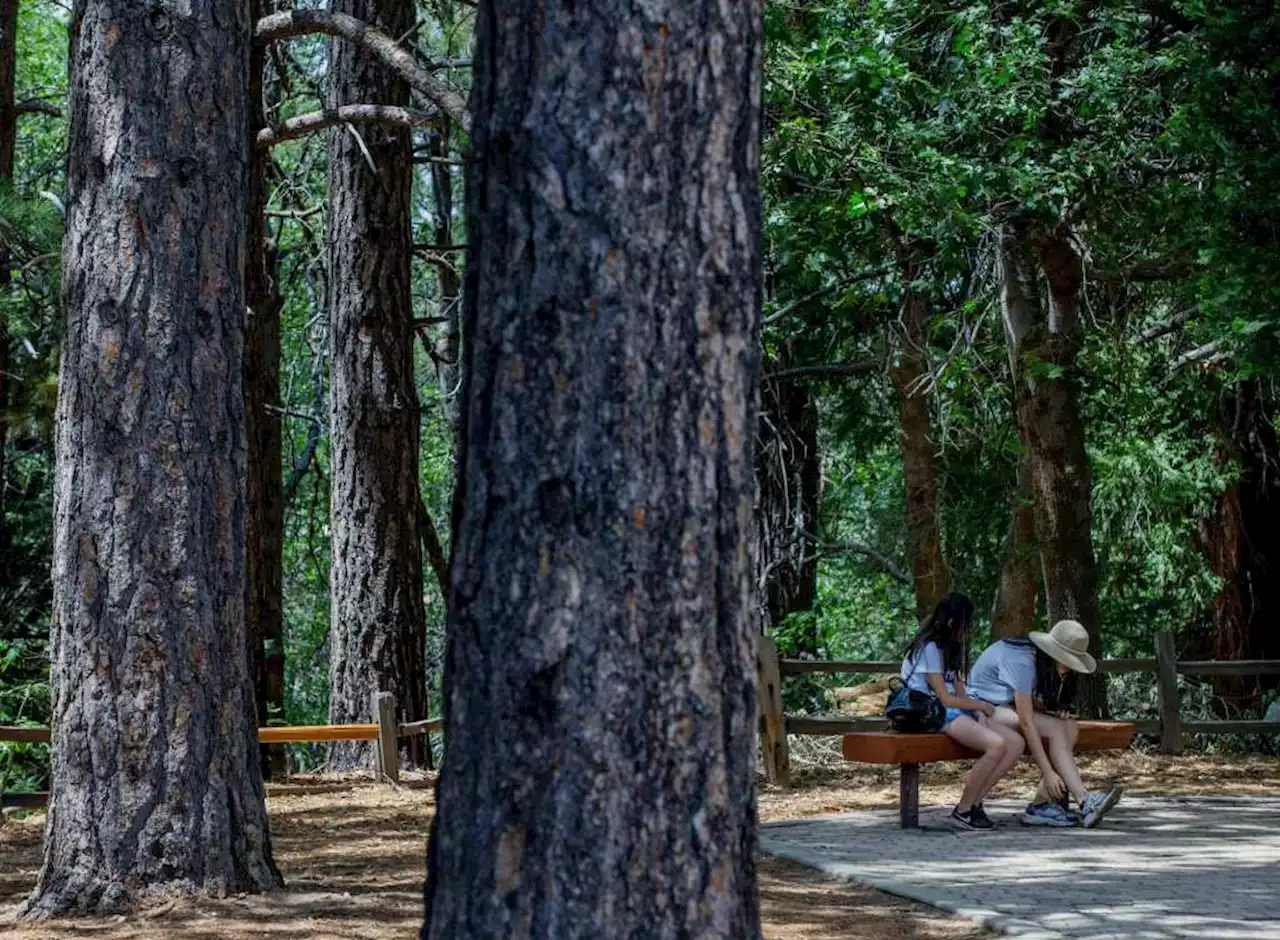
789, 469
8, 137
1061, 478
600, 693
265, 523
911, 382
378, 621
157, 786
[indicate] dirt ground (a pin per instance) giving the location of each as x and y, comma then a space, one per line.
353, 861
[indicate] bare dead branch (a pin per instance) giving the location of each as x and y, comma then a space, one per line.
315, 121
290, 24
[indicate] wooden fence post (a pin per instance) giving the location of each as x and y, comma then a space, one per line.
773, 730
384, 713
1170, 702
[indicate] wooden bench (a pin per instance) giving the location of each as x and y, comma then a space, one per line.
909, 751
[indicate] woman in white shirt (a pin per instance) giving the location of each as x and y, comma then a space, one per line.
932, 663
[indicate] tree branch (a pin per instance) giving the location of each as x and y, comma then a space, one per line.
1209, 354
304, 461
315, 121
290, 24
37, 107
1175, 266
825, 369
823, 292
435, 551
880, 560
1172, 325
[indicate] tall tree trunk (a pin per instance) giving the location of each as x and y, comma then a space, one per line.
264, 581
8, 138
789, 471
600, 690
910, 377
1014, 610
448, 283
1061, 479
157, 787
378, 620
1241, 539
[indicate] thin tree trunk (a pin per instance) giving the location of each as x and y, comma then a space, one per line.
789, 470
8, 137
1060, 474
264, 613
378, 620
448, 284
157, 787
910, 377
600, 692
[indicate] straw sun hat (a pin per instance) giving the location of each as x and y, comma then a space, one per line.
1068, 643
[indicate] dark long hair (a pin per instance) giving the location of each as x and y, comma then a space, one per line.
1056, 692
948, 628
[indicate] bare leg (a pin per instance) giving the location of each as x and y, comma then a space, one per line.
1014, 746
1060, 736
1073, 734
968, 732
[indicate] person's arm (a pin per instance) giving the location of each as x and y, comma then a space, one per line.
1027, 722
958, 700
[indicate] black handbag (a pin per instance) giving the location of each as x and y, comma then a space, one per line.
911, 711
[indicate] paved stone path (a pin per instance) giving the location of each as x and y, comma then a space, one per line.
1155, 868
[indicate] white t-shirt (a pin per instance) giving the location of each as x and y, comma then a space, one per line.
1005, 667
927, 660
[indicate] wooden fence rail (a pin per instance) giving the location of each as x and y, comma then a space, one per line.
386, 732
775, 725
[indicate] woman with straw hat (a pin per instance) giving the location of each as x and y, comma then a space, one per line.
1031, 681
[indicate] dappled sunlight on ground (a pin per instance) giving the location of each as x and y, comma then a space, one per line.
353, 855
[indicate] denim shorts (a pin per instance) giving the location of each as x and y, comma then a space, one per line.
954, 713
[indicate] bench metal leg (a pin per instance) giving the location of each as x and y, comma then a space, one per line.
909, 795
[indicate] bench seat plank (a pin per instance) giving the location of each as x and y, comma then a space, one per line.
890, 747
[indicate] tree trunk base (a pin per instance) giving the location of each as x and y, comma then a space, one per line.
85, 893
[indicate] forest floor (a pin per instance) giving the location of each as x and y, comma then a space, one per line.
352, 857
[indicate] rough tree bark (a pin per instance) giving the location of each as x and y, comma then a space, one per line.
910, 378
264, 579
789, 471
600, 690
157, 787
1052, 432
8, 137
1013, 611
1241, 539
378, 620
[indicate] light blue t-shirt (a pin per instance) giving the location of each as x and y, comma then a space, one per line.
927, 660
1005, 667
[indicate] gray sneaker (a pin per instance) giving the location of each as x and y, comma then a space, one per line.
1048, 814
1097, 805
